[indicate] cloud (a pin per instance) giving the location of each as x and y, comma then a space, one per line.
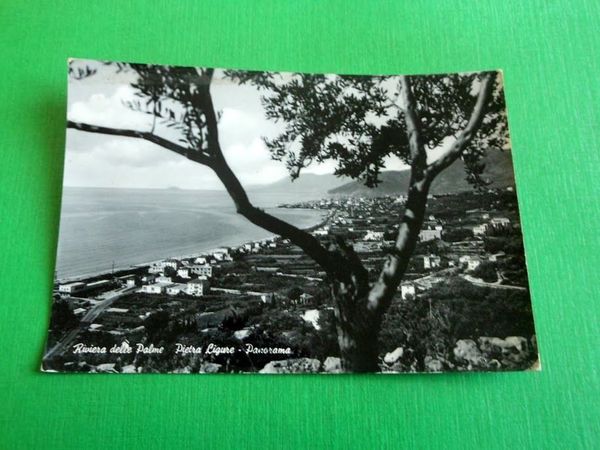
109, 110
113, 161
253, 164
136, 164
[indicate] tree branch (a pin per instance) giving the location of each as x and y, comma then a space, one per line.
147, 136
467, 134
395, 266
303, 239
418, 155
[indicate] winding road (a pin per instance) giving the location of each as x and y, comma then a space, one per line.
65, 343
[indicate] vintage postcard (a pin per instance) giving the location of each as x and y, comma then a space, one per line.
226, 221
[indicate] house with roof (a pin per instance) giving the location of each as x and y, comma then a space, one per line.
373, 235
197, 287
71, 288
500, 222
407, 289
201, 270
431, 261
154, 288
184, 272
480, 230
176, 289
430, 235
471, 262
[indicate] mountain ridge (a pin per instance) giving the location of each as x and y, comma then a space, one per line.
498, 170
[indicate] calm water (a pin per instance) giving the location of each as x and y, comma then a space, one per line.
100, 227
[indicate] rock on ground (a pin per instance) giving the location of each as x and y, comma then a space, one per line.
128, 369
433, 365
332, 365
242, 334
510, 352
296, 365
106, 368
392, 357
466, 350
209, 367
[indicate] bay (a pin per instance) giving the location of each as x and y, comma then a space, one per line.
102, 227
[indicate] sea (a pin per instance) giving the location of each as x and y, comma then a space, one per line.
106, 228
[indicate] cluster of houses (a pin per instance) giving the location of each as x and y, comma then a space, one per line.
257, 246
430, 232
173, 276
359, 217
188, 276
496, 222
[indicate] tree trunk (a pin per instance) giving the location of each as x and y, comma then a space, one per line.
360, 307
357, 327
358, 341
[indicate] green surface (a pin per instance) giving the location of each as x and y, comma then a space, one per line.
549, 52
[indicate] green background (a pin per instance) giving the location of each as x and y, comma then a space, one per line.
549, 52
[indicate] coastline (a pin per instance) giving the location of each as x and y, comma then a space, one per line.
323, 220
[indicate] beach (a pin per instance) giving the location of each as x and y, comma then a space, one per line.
104, 229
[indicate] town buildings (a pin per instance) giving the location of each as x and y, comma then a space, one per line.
197, 287
71, 288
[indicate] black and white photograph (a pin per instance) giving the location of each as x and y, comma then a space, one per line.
231, 221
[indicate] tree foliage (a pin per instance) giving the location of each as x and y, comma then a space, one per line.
358, 122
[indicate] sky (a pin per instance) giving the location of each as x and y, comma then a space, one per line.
95, 160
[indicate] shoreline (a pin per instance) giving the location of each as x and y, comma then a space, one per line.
71, 279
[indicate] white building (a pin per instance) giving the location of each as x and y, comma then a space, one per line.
221, 254
175, 289
366, 246
431, 261
71, 288
267, 298
496, 256
128, 280
200, 260
304, 298
161, 265
184, 272
407, 289
202, 270
164, 280
430, 235
373, 236
472, 262
500, 222
156, 288
480, 230
197, 287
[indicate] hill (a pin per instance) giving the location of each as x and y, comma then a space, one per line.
498, 170
305, 184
